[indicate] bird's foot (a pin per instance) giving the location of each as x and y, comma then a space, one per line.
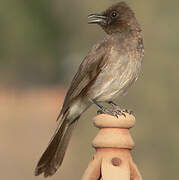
112, 112
103, 110
115, 111
117, 108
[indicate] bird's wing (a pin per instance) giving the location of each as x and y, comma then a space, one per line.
87, 71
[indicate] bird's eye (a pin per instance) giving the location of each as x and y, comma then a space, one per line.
114, 14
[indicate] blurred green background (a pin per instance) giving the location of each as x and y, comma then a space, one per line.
41, 45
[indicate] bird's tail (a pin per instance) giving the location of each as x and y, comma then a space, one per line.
53, 156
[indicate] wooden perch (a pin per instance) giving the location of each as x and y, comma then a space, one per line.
113, 143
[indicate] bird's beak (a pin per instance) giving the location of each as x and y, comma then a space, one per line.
97, 19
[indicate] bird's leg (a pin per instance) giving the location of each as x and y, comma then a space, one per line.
103, 110
97, 104
112, 103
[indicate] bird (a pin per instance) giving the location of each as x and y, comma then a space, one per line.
109, 69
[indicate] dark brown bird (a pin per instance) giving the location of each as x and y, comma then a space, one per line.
107, 72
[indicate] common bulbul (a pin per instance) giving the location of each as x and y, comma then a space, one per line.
109, 69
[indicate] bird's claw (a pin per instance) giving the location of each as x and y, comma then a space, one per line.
115, 111
127, 111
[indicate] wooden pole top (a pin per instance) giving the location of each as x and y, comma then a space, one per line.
114, 131
108, 121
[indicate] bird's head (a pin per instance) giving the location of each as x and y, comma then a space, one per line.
117, 18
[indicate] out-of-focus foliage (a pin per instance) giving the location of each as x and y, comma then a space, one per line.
42, 43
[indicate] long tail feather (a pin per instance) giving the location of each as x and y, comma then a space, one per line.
53, 156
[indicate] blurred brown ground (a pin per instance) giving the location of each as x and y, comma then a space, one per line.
41, 45
28, 122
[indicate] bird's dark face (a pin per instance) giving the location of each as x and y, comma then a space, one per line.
117, 18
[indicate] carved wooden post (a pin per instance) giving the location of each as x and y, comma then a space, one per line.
113, 144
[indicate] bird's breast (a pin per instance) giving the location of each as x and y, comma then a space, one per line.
121, 70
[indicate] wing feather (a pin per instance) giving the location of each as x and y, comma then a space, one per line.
87, 71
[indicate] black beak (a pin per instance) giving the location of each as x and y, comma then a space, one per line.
97, 19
